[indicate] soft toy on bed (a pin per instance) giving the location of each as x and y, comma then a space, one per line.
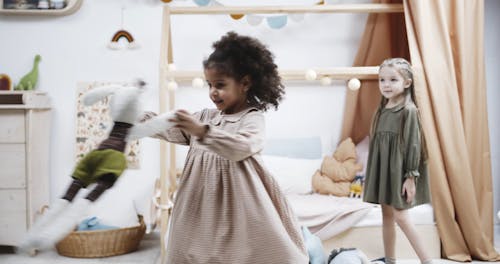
101, 166
356, 188
338, 171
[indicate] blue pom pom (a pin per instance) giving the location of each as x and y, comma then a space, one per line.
277, 22
202, 2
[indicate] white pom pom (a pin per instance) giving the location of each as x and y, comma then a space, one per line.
197, 83
171, 67
326, 81
172, 86
311, 75
113, 45
354, 84
254, 20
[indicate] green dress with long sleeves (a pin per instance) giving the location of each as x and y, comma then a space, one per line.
393, 158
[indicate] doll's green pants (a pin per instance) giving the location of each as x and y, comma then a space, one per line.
98, 163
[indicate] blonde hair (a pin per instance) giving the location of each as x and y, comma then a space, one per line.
404, 68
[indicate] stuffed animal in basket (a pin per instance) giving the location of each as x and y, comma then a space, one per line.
102, 166
338, 171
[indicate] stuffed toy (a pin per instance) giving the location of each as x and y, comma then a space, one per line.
337, 172
102, 166
356, 187
28, 81
314, 247
349, 256
324, 185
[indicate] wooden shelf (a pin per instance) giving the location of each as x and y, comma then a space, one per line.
71, 7
24, 100
332, 8
337, 73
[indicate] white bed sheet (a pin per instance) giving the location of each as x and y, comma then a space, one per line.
327, 215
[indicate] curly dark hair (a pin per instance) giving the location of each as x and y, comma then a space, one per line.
238, 56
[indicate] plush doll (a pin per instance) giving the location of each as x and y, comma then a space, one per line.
349, 256
102, 166
28, 81
324, 185
356, 187
314, 247
337, 171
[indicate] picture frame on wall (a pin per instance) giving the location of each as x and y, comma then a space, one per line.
20, 4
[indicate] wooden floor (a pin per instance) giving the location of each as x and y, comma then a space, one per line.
149, 253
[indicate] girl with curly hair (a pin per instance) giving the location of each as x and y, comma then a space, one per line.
228, 208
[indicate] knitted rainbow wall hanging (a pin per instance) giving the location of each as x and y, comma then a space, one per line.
122, 34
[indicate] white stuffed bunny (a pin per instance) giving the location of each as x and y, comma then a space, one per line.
101, 166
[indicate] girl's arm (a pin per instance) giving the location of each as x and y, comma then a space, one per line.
412, 152
411, 143
248, 140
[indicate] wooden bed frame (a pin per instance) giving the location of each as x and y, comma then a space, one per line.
354, 237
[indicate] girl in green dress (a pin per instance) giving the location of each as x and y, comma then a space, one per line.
396, 176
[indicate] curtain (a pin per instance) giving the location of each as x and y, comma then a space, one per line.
446, 47
445, 42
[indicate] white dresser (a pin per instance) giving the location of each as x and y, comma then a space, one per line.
24, 161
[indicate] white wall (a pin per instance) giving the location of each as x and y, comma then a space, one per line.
74, 49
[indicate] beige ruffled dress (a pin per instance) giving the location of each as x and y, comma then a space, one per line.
228, 208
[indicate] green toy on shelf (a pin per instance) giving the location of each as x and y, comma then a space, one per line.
29, 80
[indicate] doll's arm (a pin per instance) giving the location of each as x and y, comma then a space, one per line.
153, 126
99, 93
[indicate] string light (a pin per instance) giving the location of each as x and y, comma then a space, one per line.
172, 86
354, 84
197, 83
311, 75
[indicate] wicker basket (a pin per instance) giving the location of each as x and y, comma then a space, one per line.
102, 243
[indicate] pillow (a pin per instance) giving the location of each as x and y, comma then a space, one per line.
345, 150
323, 185
294, 176
299, 148
362, 151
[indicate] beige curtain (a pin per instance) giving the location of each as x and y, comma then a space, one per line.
446, 47
445, 39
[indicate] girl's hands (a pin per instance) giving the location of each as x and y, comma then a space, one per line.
409, 189
185, 121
